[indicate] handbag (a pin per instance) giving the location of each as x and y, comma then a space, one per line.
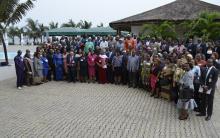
163, 82
186, 93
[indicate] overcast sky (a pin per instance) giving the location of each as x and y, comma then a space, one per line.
96, 11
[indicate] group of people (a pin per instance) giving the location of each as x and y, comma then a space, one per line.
188, 70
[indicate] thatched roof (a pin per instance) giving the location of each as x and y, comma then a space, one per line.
178, 10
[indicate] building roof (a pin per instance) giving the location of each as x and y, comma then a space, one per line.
69, 31
178, 10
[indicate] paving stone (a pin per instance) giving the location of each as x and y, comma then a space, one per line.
60, 109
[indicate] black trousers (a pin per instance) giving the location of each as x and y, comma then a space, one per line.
207, 104
71, 74
133, 79
124, 76
197, 95
110, 74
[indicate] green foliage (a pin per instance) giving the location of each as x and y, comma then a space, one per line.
13, 32
205, 27
164, 30
71, 23
11, 12
34, 29
84, 24
53, 25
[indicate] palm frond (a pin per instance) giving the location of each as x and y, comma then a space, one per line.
7, 8
20, 11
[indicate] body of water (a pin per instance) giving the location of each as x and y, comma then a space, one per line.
11, 55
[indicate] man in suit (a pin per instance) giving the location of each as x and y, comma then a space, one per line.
110, 74
71, 64
202, 46
191, 48
133, 67
209, 79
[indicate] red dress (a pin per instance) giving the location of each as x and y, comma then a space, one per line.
101, 70
91, 65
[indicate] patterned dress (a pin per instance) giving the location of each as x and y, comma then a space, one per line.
145, 72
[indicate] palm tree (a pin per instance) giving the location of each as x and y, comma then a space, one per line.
12, 33
71, 23
20, 31
42, 30
11, 12
33, 30
53, 25
84, 24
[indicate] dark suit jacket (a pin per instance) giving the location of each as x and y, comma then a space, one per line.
204, 48
68, 60
217, 49
192, 49
211, 79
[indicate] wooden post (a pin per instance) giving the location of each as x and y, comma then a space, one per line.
118, 32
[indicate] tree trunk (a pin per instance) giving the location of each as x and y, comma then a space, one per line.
5, 49
20, 39
34, 41
13, 40
41, 40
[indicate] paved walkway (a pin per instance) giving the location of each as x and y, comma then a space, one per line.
60, 109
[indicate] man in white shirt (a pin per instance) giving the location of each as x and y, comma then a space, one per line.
104, 45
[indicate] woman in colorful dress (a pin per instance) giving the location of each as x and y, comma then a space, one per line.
145, 71
91, 66
178, 73
65, 68
155, 72
45, 67
102, 66
165, 77
58, 62
38, 69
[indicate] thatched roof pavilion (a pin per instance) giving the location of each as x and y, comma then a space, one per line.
177, 11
